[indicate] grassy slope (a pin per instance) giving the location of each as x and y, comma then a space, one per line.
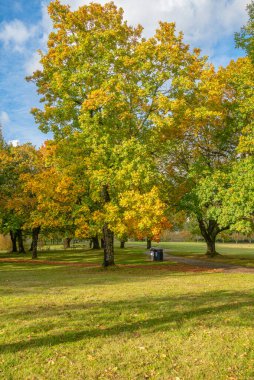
127, 323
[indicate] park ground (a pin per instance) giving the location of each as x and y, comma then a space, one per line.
139, 320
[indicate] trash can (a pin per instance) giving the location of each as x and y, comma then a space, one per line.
160, 254
157, 254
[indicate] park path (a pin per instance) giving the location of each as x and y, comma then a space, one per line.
223, 267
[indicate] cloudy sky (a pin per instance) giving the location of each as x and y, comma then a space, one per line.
24, 26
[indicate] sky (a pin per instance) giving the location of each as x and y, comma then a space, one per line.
25, 24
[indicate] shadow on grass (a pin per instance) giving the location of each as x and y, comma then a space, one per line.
17, 279
161, 313
122, 256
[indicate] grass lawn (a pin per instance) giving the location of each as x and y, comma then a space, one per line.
237, 254
132, 254
63, 322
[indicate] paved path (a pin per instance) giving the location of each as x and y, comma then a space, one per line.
227, 268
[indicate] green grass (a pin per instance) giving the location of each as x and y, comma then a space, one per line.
236, 254
226, 249
130, 255
124, 323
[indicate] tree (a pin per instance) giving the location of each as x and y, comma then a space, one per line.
15, 205
238, 202
238, 205
108, 87
52, 197
245, 39
91, 213
201, 137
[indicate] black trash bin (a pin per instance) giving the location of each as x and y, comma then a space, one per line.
160, 254
157, 254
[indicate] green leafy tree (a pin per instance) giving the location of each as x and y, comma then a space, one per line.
15, 205
201, 138
108, 87
52, 195
238, 208
238, 201
245, 39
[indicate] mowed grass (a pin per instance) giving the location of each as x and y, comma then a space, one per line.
134, 253
236, 254
226, 249
64, 322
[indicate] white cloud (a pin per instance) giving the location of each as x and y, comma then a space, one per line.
15, 34
33, 64
4, 118
45, 26
46, 23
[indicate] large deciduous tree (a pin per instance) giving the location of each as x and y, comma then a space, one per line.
106, 86
238, 200
201, 137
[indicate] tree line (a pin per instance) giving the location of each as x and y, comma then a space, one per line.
146, 133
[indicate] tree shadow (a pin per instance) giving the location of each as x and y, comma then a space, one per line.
19, 278
162, 313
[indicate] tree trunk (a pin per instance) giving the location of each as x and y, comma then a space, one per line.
102, 243
122, 243
108, 238
148, 243
31, 247
20, 241
14, 241
211, 251
67, 243
209, 231
96, 243
108, 235
35, 236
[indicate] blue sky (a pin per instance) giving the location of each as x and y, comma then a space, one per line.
24, 27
